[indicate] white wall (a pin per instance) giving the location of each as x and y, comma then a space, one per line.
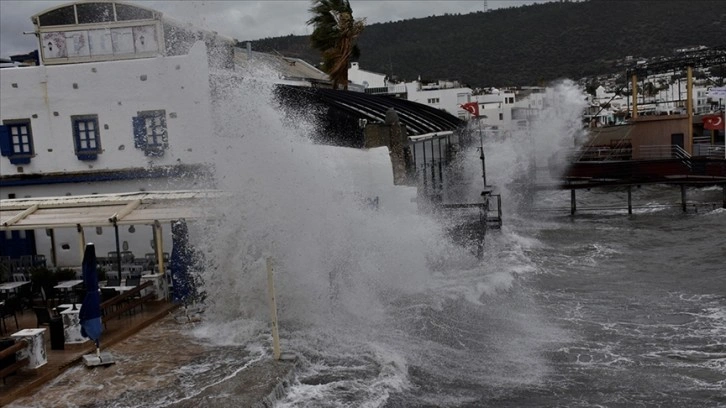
365, 78
497, 108
448, 99
115, 92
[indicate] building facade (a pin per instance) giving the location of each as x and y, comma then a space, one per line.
115, 106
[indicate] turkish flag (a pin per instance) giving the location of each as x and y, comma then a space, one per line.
713, 122
471, 107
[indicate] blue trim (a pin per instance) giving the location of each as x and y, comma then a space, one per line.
111, 175
139, 132
20, 159
6, 146
20, 152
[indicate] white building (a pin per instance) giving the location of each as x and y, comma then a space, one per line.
447, 96
113, 107
496, 104
366, 79
497, 107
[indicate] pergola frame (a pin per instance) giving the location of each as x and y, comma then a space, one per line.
104, 210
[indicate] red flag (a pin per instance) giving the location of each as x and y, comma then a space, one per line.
471, 107
713, 122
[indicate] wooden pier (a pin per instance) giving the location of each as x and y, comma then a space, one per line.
679, 172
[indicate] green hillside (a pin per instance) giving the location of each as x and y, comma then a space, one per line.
528, 45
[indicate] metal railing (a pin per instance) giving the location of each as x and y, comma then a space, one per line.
655, 152
494, 215
709, 151
430, 161
604, 153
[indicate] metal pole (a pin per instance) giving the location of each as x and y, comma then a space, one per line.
635, 95
573, 204
483, 159
81, 239
630, 201
689, 110
273, 310
118, 249
53, 255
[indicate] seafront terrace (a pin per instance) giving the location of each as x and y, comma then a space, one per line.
123, 318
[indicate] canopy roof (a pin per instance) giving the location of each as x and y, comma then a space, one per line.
141, 208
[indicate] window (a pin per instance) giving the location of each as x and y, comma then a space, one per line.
16, 140
501, 116
433, 100
150, 133
86, 136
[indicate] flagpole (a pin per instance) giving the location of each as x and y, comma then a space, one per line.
483, 159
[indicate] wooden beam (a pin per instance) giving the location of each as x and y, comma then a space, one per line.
159, 249
630, 199
22, 215
132, 205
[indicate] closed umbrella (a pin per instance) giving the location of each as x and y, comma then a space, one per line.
181, 260
90, 313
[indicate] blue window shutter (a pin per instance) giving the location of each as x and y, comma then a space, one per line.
6, 145
139, 132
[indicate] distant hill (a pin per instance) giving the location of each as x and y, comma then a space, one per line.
528, 45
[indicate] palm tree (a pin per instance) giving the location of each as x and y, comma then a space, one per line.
335, 36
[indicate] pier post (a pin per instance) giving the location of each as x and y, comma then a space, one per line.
683, 197
573, 204
273, 310
630, 200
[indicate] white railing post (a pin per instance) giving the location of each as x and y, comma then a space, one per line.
273, 310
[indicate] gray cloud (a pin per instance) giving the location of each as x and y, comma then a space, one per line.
243, 20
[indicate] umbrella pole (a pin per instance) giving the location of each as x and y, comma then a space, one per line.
118, 249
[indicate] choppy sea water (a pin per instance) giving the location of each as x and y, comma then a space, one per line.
603, 309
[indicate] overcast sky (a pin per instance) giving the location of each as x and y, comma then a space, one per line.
242, 20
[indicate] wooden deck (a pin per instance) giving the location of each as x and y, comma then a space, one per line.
26, 381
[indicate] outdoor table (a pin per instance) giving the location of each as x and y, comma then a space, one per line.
12, 286
36, 347
68, 285
120, 289
68, 306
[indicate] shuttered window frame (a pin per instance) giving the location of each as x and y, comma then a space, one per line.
86, 137
151, 132
16, 141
